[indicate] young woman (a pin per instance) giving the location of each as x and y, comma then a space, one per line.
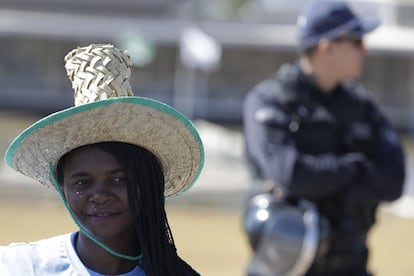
113, 159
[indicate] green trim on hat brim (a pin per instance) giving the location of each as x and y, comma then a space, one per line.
10, 152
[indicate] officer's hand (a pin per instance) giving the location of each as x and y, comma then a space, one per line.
272, 188
359, 159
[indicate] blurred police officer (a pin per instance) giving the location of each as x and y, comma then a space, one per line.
316, 135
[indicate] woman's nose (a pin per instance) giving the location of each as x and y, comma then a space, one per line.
100, 197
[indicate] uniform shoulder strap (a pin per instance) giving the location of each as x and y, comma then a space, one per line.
280, 87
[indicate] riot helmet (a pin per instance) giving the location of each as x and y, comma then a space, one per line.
286, 238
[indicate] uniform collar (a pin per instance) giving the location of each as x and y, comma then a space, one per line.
308, 82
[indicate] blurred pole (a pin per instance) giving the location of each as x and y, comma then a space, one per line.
184, 89
198, 54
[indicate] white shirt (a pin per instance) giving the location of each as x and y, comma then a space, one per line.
53, 256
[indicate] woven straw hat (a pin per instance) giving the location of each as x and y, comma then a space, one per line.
106, 110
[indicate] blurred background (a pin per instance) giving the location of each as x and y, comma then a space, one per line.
201, 57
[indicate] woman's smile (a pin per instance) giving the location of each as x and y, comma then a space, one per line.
95, 186
103, 217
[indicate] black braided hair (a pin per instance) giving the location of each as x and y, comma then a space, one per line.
146, 199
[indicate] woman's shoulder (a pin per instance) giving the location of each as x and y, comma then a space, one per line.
36, 246
47, 255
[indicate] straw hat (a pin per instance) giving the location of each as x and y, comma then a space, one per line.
106, 110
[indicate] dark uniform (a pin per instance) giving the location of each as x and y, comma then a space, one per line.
336, 150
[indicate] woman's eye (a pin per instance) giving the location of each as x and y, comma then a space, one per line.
81, 183
120, 179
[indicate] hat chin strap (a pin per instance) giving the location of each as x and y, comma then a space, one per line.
81, 227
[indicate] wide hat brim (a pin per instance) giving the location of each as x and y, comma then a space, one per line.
150, 124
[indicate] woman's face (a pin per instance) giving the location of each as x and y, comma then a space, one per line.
95, 187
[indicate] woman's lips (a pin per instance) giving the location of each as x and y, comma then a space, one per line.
102, 217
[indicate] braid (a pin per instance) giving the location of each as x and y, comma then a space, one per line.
146, 198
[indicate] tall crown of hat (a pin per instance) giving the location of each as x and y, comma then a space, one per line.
106, 110
98, 72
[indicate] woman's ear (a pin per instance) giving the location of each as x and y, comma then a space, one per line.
59, 179
61, 186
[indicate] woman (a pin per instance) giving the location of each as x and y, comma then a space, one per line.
113, 159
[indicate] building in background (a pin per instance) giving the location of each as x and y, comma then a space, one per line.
246, 41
